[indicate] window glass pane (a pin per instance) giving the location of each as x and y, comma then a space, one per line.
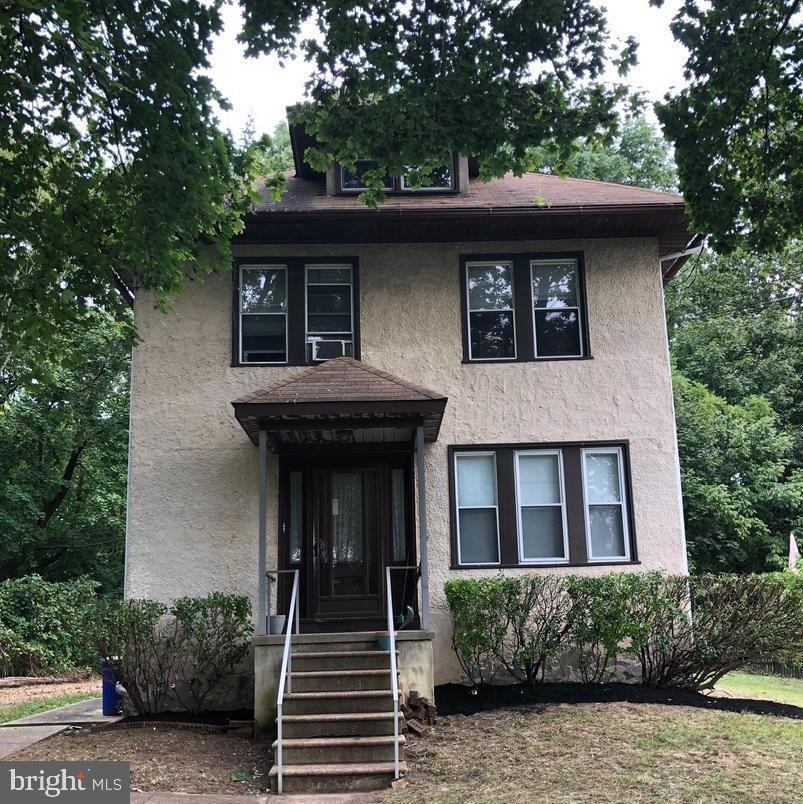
492, 336
329, 323
554, 284
607, 531
557, 334
542, 532
602, 477
476, 481
539, 480
439, 178
490, 287
353, 180
478, 542
263, 290
329, 299
399, 516
263, 338
333, 276
296, 507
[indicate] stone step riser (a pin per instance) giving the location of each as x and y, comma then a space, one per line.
339, 728
341, 683
315, 706
340, 783
353, 662
338, 754
339, 645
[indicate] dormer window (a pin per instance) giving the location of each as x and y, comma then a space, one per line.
441, 179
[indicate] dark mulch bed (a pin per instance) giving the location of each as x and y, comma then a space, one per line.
457, 699
203, 718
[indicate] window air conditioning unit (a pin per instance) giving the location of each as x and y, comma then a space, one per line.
326, 350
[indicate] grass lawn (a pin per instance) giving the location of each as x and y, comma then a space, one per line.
765, 688
605, 753
17, 709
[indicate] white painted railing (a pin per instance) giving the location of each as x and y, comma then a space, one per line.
394, 680
286, 675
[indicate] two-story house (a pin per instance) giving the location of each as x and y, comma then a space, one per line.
471, 379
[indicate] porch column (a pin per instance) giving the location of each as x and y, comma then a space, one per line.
422, 525
262, 605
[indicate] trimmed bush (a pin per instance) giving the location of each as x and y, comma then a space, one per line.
685, 631
185, 650
41, 625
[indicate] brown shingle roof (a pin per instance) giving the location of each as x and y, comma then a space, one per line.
532, 190
343, 379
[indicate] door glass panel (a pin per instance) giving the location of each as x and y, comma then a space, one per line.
399, 517
296, 523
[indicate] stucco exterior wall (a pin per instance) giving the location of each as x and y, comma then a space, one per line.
192, 509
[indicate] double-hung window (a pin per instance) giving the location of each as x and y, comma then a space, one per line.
491, 317
295, 311
330, 323
523, 307
439, 179
477, 514
263, 313
606, 512
541, 512
540, 504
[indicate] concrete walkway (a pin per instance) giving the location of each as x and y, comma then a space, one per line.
194, 798
26, 731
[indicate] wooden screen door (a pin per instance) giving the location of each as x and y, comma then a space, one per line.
347, 540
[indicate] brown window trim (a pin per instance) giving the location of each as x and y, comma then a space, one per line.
296, 306
397, 187
522, 301
574, 503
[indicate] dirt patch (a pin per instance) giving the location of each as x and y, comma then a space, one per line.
606, 753
53, 689
458, 699
165, 759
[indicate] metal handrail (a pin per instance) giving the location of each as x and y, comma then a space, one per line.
286, 674
394, 682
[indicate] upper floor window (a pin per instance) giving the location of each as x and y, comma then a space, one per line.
440, 179
523, 307
295, 311
553, 504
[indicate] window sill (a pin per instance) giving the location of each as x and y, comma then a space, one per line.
525, 360
569, 564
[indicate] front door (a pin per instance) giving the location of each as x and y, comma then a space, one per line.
347, 542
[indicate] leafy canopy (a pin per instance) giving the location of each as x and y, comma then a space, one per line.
737, 127
410, 83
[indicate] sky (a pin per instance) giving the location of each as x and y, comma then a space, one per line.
261, 89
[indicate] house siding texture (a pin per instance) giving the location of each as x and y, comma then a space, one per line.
192, 508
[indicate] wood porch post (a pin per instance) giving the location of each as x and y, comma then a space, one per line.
422, 525
262, 605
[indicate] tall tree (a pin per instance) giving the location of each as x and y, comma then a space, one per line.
738, 125
63, 456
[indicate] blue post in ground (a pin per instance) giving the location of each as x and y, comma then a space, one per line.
110, 698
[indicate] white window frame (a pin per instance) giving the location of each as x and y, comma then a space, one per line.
362, 187
313, 266
511, 309
623, 493
577, 308
264, 267
458, 507
564, 559
404, 188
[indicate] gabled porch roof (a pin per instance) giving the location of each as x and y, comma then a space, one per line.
341, 401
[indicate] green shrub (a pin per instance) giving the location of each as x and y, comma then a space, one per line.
41, 625
186, 649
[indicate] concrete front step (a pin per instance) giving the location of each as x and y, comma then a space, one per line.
355, 724
334, 778
346, 641
314, 703
341, 659
348, 750
339, 680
